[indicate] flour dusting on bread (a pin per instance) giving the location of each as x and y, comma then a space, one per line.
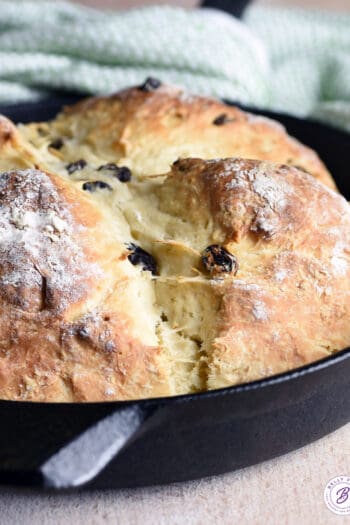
37, 247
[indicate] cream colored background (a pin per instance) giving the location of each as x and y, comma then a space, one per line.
287, 490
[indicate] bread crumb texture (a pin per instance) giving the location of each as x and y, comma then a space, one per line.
142, 253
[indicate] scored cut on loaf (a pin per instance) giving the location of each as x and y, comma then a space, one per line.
117, 282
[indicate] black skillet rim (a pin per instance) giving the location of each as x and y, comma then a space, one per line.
63, 99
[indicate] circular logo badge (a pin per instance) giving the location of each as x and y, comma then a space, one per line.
337, 495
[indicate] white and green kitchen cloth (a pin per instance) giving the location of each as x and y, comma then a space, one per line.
292, 60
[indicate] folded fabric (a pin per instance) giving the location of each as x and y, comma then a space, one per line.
292, 60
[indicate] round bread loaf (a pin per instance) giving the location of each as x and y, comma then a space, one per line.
222, 272
120, 279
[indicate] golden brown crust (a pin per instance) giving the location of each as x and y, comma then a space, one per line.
289, 304
148, 131
65, 334
15, 152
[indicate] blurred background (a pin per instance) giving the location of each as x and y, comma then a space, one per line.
291, 56
323, 4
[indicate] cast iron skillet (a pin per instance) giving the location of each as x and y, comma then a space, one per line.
128, 444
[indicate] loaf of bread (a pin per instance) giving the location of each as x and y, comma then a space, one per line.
143, 254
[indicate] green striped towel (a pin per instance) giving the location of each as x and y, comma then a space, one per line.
292, 60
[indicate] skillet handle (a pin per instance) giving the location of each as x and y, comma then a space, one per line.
85, 456
233, 7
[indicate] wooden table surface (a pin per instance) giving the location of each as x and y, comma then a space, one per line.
287, 490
